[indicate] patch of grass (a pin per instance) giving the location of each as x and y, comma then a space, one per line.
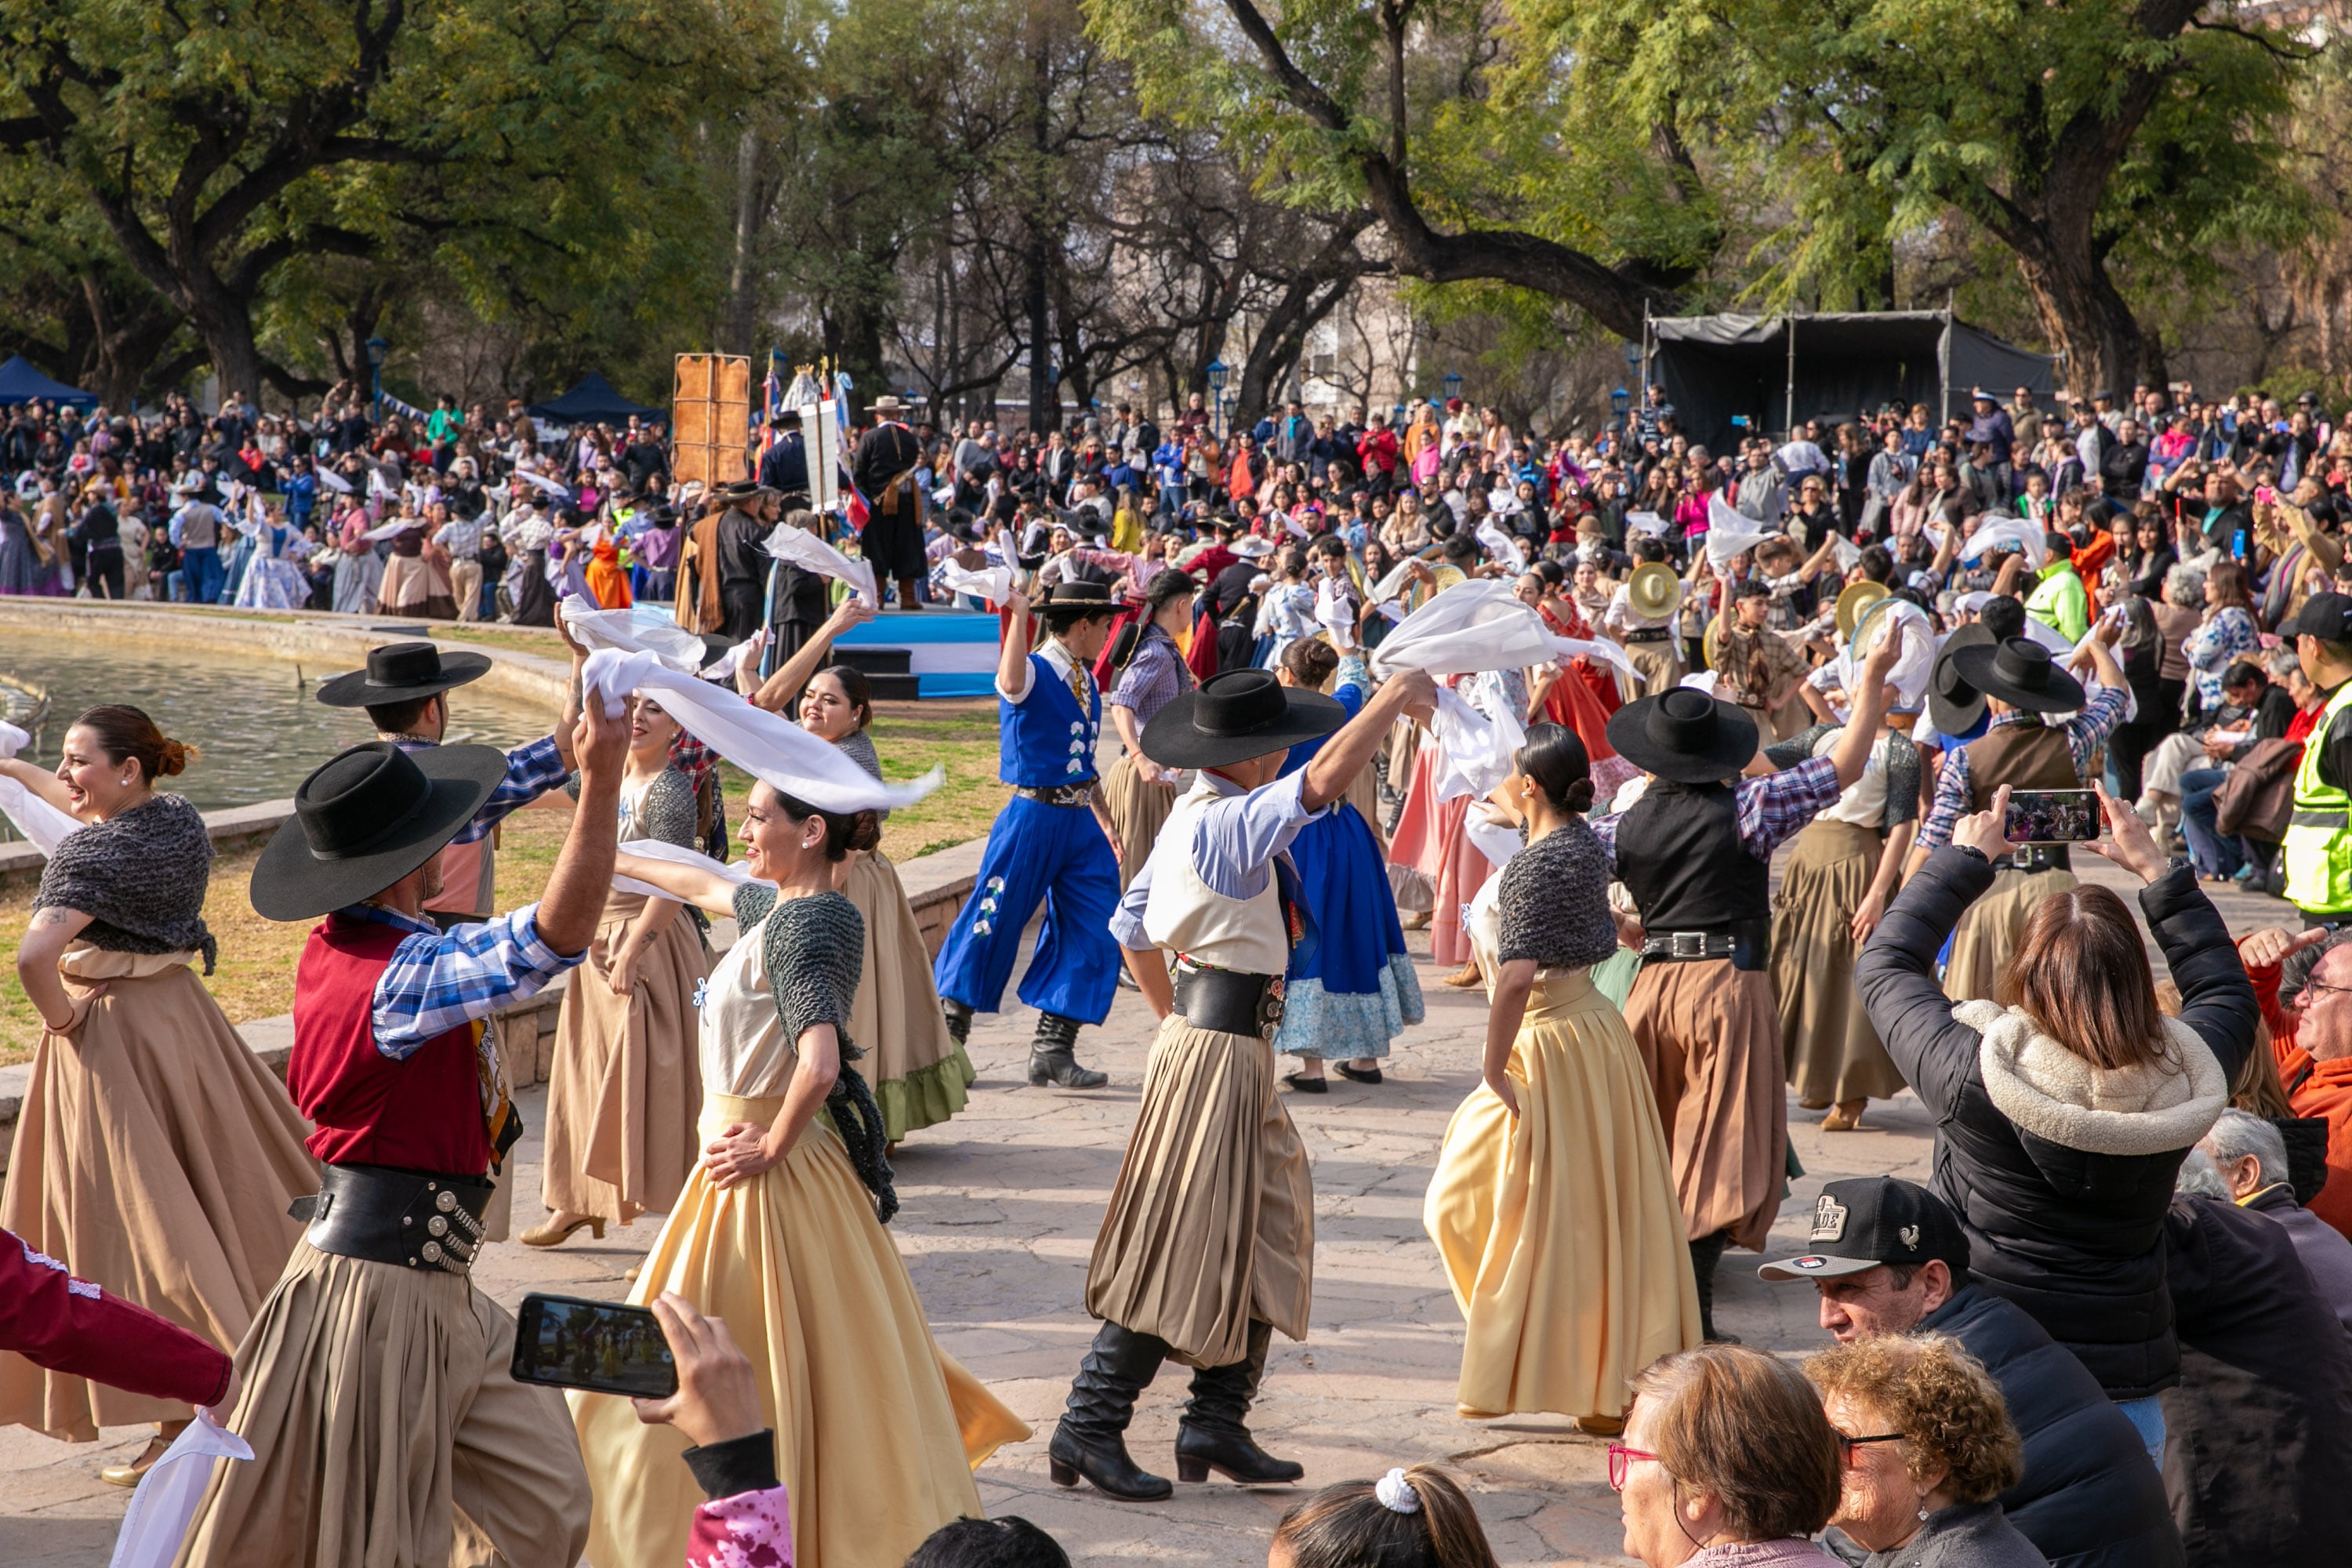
515, 639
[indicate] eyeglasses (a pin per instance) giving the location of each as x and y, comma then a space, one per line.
2323, 985
1621, 1460
1846, 1445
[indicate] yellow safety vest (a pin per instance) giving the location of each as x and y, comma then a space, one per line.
2318, 845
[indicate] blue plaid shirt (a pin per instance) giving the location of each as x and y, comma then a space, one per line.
2103, 710
1771, 808
438, 980
532, 772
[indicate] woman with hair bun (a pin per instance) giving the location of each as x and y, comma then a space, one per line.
1357, 990
155, 1154
782, 1225
1415, 1517
1553, 1202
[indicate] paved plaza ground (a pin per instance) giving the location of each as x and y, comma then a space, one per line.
1001, 1207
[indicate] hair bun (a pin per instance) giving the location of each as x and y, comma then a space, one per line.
866, 830
175, 758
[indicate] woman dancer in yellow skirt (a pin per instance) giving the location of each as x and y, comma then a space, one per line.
919, 1072
777, 1232
1553, 1202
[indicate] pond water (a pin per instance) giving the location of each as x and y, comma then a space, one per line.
252, 714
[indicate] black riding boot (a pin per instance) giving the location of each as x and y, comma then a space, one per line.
1052, 1060
1213, 1436
1705, 1253
959, 1017
1091, 1438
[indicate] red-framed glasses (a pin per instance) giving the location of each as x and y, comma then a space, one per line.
1846, 1445
1621, 1460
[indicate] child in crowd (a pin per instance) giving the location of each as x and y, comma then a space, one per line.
1410, 1517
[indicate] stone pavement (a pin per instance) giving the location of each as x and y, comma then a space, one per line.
1001, 1208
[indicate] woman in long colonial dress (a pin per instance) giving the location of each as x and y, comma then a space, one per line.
415, 583
1553, 1203
780, 1232
626, 1088
273, 578
919, 1072
155, 1154
1139, 792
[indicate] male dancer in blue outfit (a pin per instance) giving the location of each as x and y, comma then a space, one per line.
1053, 843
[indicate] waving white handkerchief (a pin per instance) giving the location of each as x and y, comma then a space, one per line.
800, 548
766, 746
1502, 546
397, 525
165, 1503
43, 825
1479, 752
2010, 532
1474, 625
631, 633
734, 872
1730, 533
1335, 611
1649, 522
1602, 648
993, 584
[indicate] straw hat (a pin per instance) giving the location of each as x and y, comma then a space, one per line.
1853, 600
1653, 591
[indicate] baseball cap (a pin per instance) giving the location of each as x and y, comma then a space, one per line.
1865, 1221
2327, 617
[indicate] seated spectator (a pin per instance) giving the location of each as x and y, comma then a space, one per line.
1728, 1462
1416, 1517
2247, 1158
1928, 1448
2259, 1457
2311, 1038
2063, 1116
1891, 1259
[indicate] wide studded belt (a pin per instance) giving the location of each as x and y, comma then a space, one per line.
1080, 794
1747, 943
387, 1215
1230, 1001
1650, 634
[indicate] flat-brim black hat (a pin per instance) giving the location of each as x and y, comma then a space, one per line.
1077, 599
1235, 715
2021, 673
402, 672
1685, 735
365, 818
1955, 708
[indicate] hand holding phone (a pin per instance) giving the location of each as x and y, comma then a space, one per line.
2052, 816
605, 1347
717, 1395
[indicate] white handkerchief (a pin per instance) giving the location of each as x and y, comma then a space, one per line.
1646, 523
734, 872
43, 825
1729, 531
800, 548
993, 584
1506, 550
165, 1503
1472, 625
2010, 533
631, 633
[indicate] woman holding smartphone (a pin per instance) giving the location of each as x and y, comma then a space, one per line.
782, 1225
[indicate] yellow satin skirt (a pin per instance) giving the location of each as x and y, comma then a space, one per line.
877, 1429
1559, 1228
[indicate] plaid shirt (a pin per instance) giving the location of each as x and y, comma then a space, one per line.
438, 980
532, 772
1771, 809
2101, 713
1155, 675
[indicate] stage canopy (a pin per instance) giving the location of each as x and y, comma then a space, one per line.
20, 383
1716, 368
593, 399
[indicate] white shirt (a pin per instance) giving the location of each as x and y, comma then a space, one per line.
1620, 615
1052, 652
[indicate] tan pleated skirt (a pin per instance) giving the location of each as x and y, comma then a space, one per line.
626, 1083
155, 1155
1213, 1220
1138, 810
1559, 1228
1990, 929
877, 1429
1833, 1055
1659, 664
414, 585
919, 1074
1710, 1037
387, 1433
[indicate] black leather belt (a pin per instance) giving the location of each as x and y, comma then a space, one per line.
387, 1215
1080, 794
1651, 634
1230, 1001
2031, 858
1747, 943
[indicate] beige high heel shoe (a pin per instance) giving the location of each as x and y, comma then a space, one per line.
553, 1235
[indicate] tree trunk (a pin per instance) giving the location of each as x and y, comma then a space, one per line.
2088, 323
740, 292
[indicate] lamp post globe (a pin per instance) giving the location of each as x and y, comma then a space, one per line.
377, 348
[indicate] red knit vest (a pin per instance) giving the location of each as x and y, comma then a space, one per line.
421, 1114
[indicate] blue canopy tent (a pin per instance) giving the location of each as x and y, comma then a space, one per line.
20, 383
593, 399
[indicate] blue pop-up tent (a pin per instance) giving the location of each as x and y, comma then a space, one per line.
20, 383
592, 400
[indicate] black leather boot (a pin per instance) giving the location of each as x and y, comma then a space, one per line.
959, 1017
1052, 1060
1705, 1253
1213, 1436
1091, 1438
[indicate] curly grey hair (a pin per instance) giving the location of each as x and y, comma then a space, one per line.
2185, 586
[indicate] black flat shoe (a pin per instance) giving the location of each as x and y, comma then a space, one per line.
1305, 1085
1369, 1075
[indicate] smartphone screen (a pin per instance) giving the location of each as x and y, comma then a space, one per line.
605, 1347
2052, 816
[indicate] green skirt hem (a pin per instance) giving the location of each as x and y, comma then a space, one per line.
926, 1097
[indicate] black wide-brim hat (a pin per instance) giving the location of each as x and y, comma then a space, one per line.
1076, 600
365, 818
1235, 715
1955, 708
402, 672
1684, 734
2020, 672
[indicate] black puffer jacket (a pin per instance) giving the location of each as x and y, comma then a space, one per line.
2064, 1217
2089, 1498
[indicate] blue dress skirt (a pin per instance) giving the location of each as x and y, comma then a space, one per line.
1356, 991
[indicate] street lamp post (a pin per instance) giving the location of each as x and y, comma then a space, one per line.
1217, 374
1619, 402
376, 351
1452, 382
